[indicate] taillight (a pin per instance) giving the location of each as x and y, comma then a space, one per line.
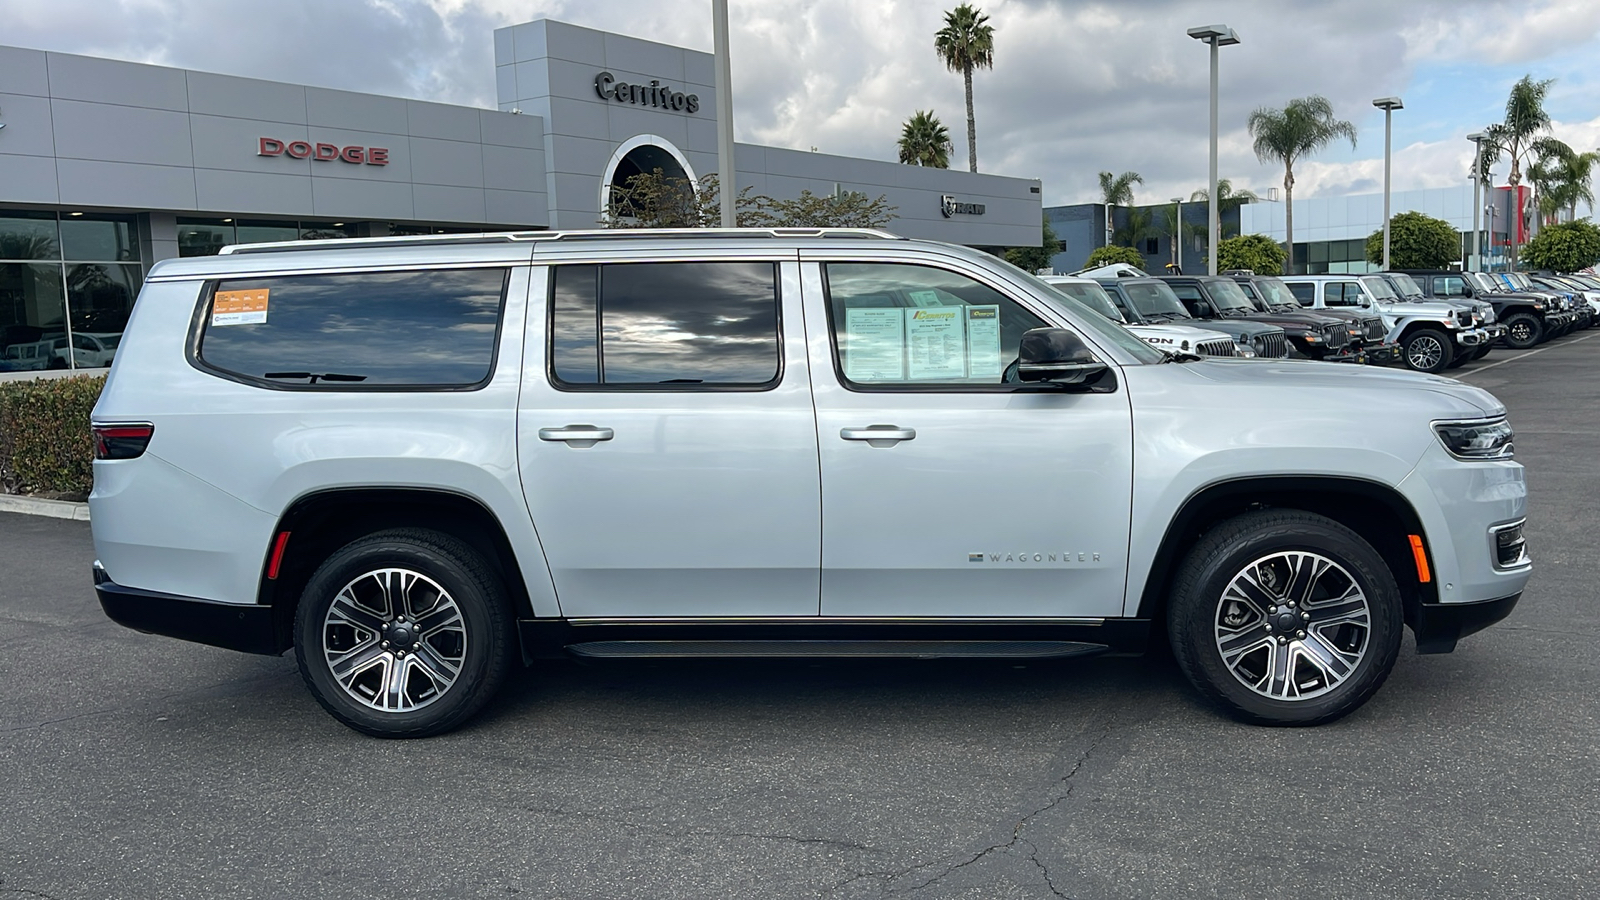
121, 441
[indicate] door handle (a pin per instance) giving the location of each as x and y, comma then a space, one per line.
879, 435
577, 435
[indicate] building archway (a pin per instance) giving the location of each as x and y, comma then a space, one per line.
641, 155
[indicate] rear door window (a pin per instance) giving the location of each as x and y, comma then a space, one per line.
435, 328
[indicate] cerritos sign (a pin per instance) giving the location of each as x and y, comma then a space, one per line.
656, 94
950, 206
354, 154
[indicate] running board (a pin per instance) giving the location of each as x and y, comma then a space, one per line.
854, 649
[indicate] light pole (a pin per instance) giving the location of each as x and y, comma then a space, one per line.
1177, 233
725, 160
1476, 138
1490, 210
1388, 105
1216, 36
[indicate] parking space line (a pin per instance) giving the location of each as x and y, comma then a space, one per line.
1524, 356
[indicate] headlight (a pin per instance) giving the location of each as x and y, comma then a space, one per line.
1476, 440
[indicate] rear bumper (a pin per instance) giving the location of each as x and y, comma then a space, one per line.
1439, 625
249, 628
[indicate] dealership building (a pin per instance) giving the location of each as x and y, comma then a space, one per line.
108, 166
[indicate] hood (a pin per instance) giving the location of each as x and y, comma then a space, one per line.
1239, 328
1432, 308
1181, 337
1455, 397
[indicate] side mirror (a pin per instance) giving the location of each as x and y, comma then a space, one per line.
1058, 356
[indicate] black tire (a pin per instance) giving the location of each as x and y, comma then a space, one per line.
1427, 350
1482, 350
1461, 357
464, 619
1523, 330
1202, 609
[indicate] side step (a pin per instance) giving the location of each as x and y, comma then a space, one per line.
856, 649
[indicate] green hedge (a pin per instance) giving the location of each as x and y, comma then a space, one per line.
45, 445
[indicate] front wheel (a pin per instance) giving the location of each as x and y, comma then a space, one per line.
1481, 350
1284, 617
1523, 330
403, 633
1428, 350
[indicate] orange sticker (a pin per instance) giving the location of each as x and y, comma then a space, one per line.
239, 307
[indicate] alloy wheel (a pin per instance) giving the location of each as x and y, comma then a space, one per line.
1425, 353
394, 639
1292, 625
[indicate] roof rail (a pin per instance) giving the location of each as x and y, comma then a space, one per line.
599, 234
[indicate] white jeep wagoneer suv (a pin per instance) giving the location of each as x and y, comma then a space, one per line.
421, 461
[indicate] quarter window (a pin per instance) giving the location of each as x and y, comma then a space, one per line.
665, 326
434, 328
903, 325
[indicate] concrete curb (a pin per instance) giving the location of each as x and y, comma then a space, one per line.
55, 509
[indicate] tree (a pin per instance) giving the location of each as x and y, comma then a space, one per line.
1416, 241
1032, 259
1300, 129
924, 141
966, 43
1117, 190
1521, 134
1562, 178
1228, 200
1138, 225
1256, 252
656, 200
1566, 247
1105, 256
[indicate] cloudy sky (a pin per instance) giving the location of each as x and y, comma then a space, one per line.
1077, 87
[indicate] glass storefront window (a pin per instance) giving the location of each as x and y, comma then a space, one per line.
263, 232
29, 236
32, 317
203, 237
312, 231
100, 238
101, 296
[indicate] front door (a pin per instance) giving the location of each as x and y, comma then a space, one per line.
667, 441
948, 489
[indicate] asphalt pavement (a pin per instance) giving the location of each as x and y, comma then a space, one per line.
138, 766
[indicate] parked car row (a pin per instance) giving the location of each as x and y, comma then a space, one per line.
89, 351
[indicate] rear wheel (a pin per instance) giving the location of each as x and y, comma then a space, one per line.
403, 633
1428, 350
1523, 330
1283, 617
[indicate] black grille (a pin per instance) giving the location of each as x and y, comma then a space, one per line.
1272, 346
1374, 329
1510, 547
1335, 336
1214, 348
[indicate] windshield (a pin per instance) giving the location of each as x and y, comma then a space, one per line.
1228, 295
1404, 285
1379, 287
1154, 299
1092, 296
1275, 292
1483, 282
1091, 319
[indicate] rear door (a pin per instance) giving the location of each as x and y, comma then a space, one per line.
948, 489
667, 441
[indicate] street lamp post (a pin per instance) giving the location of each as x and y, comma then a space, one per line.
1216, 36
1177, 232
1490, 210
1388, 105
1477, 198
725, 152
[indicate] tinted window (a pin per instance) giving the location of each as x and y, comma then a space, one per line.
1090, 295
1154, 299
906, 324
1342, 293
1304, 292
665, 325
358, 330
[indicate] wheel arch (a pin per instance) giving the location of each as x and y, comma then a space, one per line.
1376, 511
320, 522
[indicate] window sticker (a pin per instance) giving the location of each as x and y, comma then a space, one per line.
983, 341
924, 299
239, 307
874, 344
936, 343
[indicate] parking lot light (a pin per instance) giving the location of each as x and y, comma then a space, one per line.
1476, 263
1388, 105
1216, 36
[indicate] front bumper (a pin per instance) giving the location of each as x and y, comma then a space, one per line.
1438, 626
1471, 337
249, 628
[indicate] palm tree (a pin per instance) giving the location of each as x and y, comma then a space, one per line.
1521, 134
1562, 177
1301, 128
966, 43
1139, 225
1228, 199
924, 141
1117, 190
